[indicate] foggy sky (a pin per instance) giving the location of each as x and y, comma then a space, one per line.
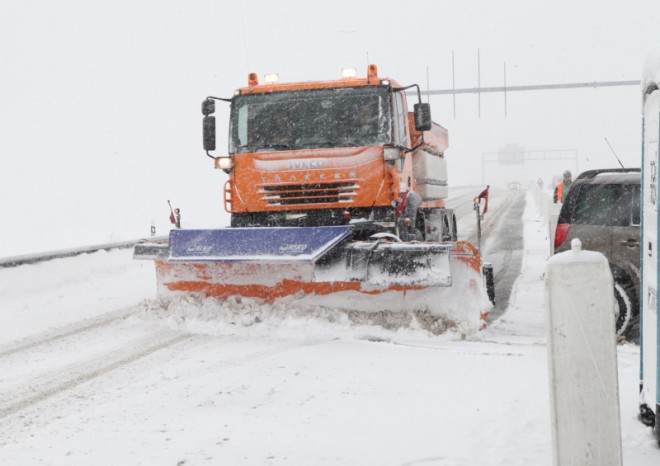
101, 100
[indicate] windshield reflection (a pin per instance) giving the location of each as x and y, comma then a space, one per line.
309, 119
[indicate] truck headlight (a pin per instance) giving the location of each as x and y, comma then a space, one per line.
224, 163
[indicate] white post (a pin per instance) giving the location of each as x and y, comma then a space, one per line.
650, 322
581, 339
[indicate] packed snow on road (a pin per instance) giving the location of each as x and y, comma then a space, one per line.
97, 370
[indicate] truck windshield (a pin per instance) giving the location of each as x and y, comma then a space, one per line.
310, 119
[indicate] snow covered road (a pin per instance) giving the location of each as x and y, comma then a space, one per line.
95, 370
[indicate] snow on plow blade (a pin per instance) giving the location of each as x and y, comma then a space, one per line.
321, 266
381, 263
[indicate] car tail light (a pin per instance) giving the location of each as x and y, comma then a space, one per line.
561, 233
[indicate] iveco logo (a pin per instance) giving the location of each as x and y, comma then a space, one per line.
295, 164
293, 248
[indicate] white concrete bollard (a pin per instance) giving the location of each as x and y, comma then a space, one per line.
581, 341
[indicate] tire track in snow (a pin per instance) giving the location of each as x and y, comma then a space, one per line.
45, 385
501, 241
69, 377
504, 250
493, 218
67, 331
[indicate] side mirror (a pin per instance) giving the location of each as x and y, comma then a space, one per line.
209, 133
422, 117
208, 107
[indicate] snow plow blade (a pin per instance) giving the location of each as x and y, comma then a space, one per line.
257, 245
321, 266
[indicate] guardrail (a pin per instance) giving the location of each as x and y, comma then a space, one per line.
14, 261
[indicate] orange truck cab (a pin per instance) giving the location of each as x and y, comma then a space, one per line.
334, 153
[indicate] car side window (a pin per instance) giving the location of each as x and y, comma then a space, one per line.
604, 204
623, 207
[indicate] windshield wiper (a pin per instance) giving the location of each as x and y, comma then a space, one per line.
256, 147
276, 146
333, 144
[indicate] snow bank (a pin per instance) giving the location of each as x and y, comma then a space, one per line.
54, 293
252, 318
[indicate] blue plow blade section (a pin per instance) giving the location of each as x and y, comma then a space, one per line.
268, 245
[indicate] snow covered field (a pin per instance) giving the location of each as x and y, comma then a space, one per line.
95, 370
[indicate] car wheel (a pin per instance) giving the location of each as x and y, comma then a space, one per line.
624, 303
646, 415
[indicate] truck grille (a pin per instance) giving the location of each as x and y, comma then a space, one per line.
316, 193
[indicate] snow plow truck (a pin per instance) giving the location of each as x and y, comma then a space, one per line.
337, 199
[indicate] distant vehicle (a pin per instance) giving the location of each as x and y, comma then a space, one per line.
602, 209
514, 185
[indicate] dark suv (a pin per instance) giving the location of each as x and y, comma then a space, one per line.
602, 209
